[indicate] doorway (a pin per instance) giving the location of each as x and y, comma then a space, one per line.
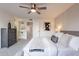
25, 29
29, 30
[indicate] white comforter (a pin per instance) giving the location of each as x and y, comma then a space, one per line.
67, 52
40, 43
50, 49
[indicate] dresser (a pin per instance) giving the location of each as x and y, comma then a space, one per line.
8, 37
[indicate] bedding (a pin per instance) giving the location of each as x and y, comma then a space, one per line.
48, 49
70, 49
58, 34
43, 46
64, 40
67, 52
74, 43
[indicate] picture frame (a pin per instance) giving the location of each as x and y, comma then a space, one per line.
47, 26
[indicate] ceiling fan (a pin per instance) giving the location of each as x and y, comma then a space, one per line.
34, 8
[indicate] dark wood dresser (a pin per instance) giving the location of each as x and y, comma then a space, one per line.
8, 37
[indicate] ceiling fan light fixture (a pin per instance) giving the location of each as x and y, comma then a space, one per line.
33, 10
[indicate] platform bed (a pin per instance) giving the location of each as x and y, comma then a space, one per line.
67, 45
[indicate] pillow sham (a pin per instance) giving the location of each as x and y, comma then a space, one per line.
64, 40
74, 43
59, 34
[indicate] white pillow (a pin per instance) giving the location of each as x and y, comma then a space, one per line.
74, 43
59, 34
64, 40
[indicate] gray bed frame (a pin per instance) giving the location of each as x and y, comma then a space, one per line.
76, 33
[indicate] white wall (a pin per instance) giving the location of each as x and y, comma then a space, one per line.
18, 25
4, 19
38, 27
70, 19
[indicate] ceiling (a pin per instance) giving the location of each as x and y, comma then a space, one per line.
53, 9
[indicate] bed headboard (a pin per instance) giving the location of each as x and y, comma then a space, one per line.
76, 33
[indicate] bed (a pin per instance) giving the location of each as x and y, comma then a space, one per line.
43, 46
40, 47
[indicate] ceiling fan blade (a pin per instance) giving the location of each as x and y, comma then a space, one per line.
42, 8
38, 12
29, 12
24, 7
